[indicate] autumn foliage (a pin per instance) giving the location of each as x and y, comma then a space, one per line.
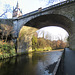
43, 43
5, 31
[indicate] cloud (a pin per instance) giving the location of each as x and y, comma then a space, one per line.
53, 32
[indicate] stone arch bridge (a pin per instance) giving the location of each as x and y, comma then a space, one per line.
61, 14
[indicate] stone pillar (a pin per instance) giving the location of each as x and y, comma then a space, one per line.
15, 28
72, 37
24, 44
15, 34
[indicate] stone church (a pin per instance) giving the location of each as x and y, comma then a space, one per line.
17, 12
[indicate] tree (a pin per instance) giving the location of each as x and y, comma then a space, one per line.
7, 8
63, 44
34, 42
2, 30
6, 30
41, 43
53, 44
9, 30
58, 44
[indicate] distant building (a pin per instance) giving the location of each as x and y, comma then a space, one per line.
17, 12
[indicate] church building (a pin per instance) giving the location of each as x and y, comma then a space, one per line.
17, 12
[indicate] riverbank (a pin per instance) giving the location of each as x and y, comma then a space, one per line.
42, 63
12, 53
51, 50
7, 50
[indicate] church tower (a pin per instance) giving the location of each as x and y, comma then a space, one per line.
17, 12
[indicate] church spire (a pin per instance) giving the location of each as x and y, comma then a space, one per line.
17, 6
17, 11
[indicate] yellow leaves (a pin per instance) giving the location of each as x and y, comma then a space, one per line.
2, 40
1, 53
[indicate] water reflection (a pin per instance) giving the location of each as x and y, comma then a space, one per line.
31, 64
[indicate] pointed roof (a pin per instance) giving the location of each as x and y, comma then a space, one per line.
17, 6
16, 10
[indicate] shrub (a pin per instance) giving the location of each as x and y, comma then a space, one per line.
7, 50
34, 42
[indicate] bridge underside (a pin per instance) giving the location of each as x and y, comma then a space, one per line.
51, 20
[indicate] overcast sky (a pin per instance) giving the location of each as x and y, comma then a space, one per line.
53, 32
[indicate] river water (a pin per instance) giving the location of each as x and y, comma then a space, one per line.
38, 63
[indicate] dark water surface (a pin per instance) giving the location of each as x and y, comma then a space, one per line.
31, 64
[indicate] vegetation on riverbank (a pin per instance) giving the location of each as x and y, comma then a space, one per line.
41, 44
7, 49
43, 49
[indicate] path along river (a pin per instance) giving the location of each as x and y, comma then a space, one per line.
38, 63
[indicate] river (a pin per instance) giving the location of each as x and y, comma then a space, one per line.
37, 63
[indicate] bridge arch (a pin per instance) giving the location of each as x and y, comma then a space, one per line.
51, 20
58, 19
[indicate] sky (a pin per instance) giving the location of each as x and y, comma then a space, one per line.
53, 32
32, 5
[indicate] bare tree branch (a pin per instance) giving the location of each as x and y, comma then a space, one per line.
51, 2
3, 13
7, 8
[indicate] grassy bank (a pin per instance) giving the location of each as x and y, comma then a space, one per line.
7, 49
43, 49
